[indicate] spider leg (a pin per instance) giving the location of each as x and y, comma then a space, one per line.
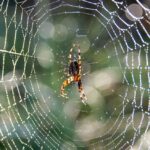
66, 83
70, 55
70, 60
80, 87
81, 91
79, 60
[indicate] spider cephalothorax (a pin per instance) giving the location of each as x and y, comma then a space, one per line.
74, 74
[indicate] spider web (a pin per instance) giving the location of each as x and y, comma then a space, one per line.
35, 40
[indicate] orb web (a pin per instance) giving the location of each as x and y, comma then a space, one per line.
35, 40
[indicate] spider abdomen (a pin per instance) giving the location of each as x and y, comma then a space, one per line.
74, 68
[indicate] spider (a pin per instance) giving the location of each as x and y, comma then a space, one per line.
74, 74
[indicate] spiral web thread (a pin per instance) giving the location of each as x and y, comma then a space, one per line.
28, 124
